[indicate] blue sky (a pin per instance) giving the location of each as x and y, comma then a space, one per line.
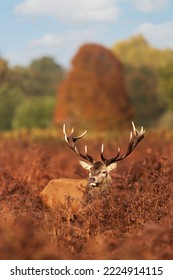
30, 29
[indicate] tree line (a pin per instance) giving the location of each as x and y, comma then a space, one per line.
149, 80
28, 94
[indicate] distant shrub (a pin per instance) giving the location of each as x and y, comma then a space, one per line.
166, 120
34, 112
10, 99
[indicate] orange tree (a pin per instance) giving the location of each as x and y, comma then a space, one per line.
93, 95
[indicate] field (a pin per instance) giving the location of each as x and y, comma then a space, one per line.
133, 221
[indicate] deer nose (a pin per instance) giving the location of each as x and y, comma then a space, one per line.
92, 180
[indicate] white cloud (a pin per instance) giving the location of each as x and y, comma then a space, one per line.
149, 5
68, 38
159, 35
48, 40
63, 46
71, 10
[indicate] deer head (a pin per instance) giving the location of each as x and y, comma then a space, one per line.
99, 170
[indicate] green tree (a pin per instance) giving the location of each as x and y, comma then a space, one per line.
137, 52
142, 65
10, 98
45, 75
166, 82
142, 87
4, 70
34, 112
41, 78
19, 84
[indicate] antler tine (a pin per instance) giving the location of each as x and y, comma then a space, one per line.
135, 137
70, 140
90, 158
80, 136
108, 161
102, 156
86, 149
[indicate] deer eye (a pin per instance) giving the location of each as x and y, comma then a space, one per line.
104, 172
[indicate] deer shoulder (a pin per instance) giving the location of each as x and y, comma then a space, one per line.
59, 191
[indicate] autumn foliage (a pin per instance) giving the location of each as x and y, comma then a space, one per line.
133, 221
94, 91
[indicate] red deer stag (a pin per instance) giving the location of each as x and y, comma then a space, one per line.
58, 190
99, 176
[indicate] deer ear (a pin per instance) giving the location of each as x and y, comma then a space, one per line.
111, 166
85, 165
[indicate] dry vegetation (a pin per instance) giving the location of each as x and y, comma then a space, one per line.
133, 221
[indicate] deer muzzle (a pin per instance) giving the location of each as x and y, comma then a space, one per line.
92, 182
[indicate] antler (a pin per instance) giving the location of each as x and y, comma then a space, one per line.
135, 137
70, 140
